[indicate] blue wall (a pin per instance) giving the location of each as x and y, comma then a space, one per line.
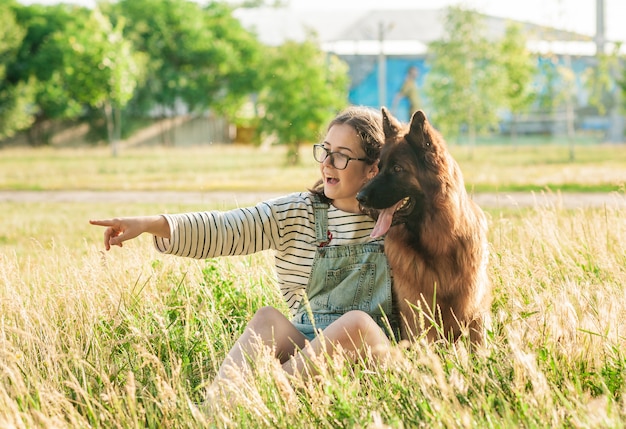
366, 92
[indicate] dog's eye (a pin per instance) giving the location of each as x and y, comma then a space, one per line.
397, 169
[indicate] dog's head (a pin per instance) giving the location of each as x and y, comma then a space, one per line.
396, 193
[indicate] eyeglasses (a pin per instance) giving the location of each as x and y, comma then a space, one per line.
337, 159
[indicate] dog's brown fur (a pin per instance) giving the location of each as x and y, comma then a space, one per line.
437, 245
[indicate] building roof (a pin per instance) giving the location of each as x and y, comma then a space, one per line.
404, 32
274, 26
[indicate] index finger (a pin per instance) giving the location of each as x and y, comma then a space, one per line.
101, 222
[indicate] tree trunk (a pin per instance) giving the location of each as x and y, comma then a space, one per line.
108, 114
293, 155
514, 131
117, 134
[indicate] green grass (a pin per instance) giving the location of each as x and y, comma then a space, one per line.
129, 338
597, 168
207, 168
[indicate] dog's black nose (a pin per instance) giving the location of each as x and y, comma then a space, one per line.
361, 197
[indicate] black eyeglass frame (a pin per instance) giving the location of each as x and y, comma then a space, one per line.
333, 156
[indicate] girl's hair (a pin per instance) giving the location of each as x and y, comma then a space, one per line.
368, 124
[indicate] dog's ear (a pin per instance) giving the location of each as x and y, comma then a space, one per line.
417, 120
417, 130
391, 126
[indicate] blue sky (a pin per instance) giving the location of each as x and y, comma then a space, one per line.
576, 15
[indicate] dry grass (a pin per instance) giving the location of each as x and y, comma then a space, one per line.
129, 338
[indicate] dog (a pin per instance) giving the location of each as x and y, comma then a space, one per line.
436, 241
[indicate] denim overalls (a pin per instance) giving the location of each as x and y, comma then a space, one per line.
344, 278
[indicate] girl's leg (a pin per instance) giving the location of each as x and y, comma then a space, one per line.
268, 327
354, 332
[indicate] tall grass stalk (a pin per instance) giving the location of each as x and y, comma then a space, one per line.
131, 338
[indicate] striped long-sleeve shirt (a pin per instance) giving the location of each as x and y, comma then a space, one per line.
285, 225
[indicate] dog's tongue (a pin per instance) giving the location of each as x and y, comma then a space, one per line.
383, 223
385, 217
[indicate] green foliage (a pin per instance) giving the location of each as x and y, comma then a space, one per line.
520, 68
182, 330
303, 89
74, 59
16, 97
40, 59
232, 304
98, 64
100, 68
242, 60
200, 56
620, 80
464, 82
16, 108
557, 83
600, 81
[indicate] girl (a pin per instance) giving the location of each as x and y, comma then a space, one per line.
333, 276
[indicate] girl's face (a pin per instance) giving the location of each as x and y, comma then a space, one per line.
341, 186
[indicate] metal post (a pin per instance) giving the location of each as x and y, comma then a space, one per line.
615, 133
382, 67
600, 27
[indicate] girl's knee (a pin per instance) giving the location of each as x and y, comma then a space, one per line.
358, 321
356, 329
266, 316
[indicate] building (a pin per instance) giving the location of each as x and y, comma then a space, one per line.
380, 45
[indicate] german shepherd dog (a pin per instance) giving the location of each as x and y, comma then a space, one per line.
436, 240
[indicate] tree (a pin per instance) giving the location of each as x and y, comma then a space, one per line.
40, 61
242, 57
465, 83
621, 81
16, 97
201, 57
100, 67
602, 82
304, 89
520, 68
558, 92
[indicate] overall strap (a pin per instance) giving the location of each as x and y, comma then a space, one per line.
322, 234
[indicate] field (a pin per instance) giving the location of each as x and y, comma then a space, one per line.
238, 168
130, 338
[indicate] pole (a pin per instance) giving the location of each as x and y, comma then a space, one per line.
382, 67
615, 132
600, 38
